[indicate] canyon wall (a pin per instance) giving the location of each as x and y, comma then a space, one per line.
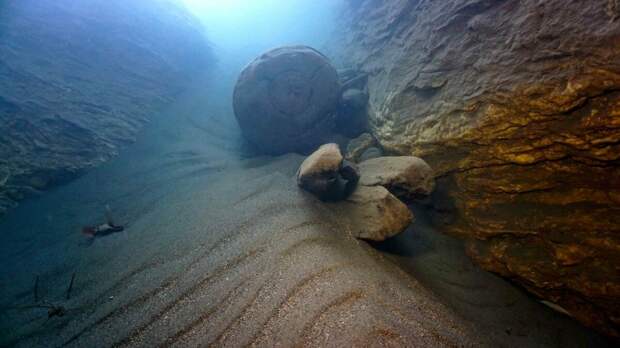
516, 105
80, 78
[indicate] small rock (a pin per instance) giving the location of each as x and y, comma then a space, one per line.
371, 152
355, 98
325, 174
352, 118
405, 176
357, 146
373, 213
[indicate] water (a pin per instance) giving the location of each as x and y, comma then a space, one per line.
221, 248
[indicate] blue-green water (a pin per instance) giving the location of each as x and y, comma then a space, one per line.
218, 247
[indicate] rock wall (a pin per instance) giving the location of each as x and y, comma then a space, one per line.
79, 78
516, 105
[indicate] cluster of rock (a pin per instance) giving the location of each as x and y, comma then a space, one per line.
516, 106
291, 99
366, 198
79, 79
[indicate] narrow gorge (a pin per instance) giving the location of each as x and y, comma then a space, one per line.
310, 173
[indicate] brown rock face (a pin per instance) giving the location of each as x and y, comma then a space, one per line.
516, 106
286, 100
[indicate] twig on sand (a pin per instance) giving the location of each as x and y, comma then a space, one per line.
53, 310
70, 286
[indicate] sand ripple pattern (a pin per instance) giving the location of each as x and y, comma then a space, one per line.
228, 252
273, 267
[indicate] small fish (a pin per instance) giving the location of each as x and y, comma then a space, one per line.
105, 229
101, 230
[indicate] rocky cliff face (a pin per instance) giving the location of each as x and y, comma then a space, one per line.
79, 78
516, 104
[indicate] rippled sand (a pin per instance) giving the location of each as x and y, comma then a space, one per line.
220, 250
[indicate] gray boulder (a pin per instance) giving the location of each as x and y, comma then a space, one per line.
352, 119
286, 100
355, 98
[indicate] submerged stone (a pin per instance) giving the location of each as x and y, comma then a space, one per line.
352, 119
286, 100
373, 213
355, 98
327, 175
406, 176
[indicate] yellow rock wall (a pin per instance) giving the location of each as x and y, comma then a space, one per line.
516, 105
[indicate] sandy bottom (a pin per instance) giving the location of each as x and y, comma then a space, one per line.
226, 251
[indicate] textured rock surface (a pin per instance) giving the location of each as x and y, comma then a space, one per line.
78, 79
357, 146
371, 152
516, 106
373, 213
405, 176
286, 100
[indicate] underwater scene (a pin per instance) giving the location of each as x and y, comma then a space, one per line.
309, 173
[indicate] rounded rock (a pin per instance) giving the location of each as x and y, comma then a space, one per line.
286, 100
407, 177
373, 213
327, 175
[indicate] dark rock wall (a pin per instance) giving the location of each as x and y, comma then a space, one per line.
516, 105
79, 78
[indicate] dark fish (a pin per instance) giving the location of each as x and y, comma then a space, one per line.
105, 229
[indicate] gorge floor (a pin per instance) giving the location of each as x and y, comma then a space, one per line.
224, 250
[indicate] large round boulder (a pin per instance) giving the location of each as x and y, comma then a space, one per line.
286, 100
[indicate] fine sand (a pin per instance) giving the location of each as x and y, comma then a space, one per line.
224, 250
